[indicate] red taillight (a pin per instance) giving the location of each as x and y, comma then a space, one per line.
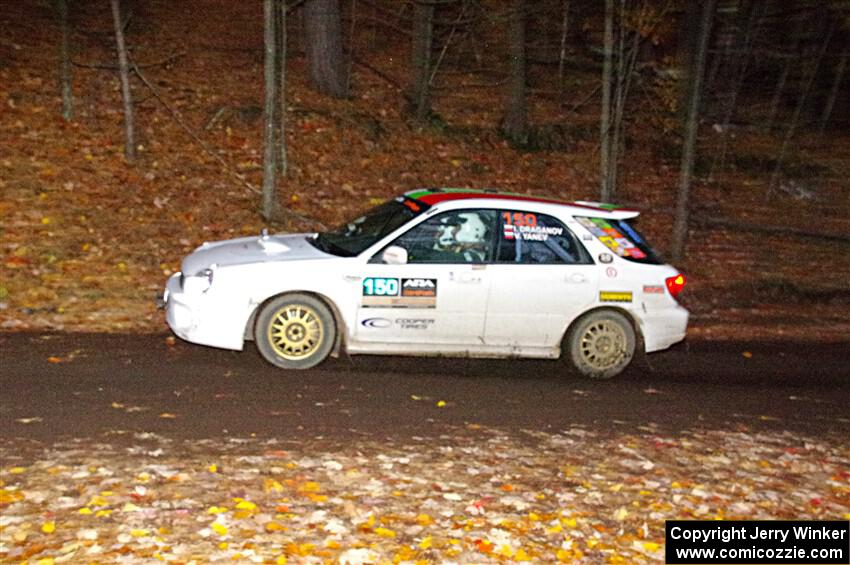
675, 284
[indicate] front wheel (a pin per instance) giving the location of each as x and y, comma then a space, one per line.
295, 331
601, 344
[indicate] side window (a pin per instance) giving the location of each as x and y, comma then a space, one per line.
461, 236
526, 237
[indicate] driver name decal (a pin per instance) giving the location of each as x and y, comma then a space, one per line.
382, 292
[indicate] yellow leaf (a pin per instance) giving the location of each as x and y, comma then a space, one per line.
563, 555
441, 404
213, 468
521, 555
97, 501
650, 546
48, 527
281, 560
220, 529
17, 470
272, 485
424, 520
426, 542
385, 533
84, 510
45, 220
275, 527
138, 533
46, 561
310, 487
245, 504
216, 510
223, 545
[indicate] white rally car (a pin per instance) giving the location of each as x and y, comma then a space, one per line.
451, 272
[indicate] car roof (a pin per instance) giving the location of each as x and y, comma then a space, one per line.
432, 196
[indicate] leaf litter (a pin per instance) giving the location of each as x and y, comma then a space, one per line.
471, 495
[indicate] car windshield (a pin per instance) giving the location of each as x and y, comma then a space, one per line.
353, 237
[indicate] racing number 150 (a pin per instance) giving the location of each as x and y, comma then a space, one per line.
519, 219
380, 287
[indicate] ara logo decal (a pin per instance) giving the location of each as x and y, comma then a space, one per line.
378, 323
419, 287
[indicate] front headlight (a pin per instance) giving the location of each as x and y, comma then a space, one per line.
199, 282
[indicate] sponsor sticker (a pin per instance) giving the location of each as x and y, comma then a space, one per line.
611, 272
383, 292
615, 296
606, 258
419, 287
377, 323
653, 289
414, 323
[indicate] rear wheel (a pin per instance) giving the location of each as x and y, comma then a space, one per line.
601, 344
295, 331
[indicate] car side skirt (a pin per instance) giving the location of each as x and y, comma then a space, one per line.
452, 350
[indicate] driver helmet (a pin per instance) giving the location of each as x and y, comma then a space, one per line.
471, 230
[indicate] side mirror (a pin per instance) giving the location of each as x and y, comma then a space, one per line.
394, 255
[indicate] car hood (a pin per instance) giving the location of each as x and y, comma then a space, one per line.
261, 249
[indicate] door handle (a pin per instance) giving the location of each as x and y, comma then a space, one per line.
576, 278
469, 278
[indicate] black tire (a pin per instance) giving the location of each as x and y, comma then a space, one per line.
601, 344
295, 331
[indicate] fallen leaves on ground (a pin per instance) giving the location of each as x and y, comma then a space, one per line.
484, 496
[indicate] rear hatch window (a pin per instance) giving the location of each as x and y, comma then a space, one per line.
621, 238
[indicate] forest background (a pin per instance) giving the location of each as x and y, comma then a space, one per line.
132, 131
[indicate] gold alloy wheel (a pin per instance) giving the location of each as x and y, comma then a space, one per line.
603, 344
295, 331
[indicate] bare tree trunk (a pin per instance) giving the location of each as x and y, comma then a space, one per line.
777, 93
833, 92
65, 60
323, 34
351, 32
423, 30
739, 71
562, 56
280, 8
605, 191
619, 96
798, 110
269, 200
680, 222
515, 124
124, 74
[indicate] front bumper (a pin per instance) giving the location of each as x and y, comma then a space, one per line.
202, 318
